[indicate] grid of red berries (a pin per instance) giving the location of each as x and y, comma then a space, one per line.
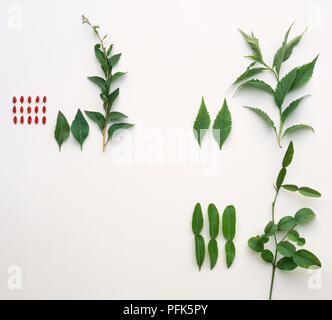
29, 110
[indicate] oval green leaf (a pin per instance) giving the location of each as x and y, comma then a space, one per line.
98, 118
256, 244
293, 235
270, 228
301, 242
286, 223
80, 128
213, 220
199, 250
62, 129
308, 192
288, 155
197, 221
117, 126
304, 215
306, 259
213, 252
230, 253
286, 249
281, 177
290, 187
229, 222
267, 256
286, 264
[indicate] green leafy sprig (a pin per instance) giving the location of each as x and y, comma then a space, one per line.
291, 256
107, 62
291, 81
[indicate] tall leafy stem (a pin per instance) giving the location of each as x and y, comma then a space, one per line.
291, 81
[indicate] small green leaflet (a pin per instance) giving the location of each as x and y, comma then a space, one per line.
199, 250
213, 252
291, 45
202, 122
281, 177
197, 221
308, 192
248, 74
115, 116
228, 223
293, 235
263, 116
286, 249
101, 58
287, 160
286, 223
304, 215
98, 118
264, 238
290, 187
291, 108
301, 242
297, 127
100, 82
62, 129
109, 49
258, 84
256, 244
80, 128
286, 264
283, 87
230, 253
270, 229
113, 60
213, 220
306, 259
267, 256
254, 45
303, 74
118, 75
222, 125
117, 126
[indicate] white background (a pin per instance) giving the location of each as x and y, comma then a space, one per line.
86, 224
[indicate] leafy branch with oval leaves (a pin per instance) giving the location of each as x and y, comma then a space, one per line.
107, 61
292, 257
293, 80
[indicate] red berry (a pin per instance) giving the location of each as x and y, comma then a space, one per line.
44, 99
22, 99
44, 109
29, 119
21, 109
15, 119
44, 120
36, 109
14, 109
37, 99
22, 119
29, 99
14, 99
36, 119
29, 109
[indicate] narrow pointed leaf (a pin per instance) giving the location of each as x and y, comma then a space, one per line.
308, 192
100, 82
296, 128
281, 177
109, 49
263, 116
115, 116
258, 84
118, 75
304, 215
80, 128
228, 223
117, 126
112, 97
199, 250
98, 118
253, 44
197, 221
280, 54
213, 221
230, 253
248, 74
306, 259
62, 129
287, 160
113, 60
283, 87
213, 252
303, 74
202, 123
291, 45
286, 264
290, 187
101, 58
222, 125
291, 108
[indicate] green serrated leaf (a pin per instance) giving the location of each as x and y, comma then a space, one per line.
197, 221
115, 116
213, 252
290, 187
287, 160
306, 259
199, 250
283, 87
230, 253
80, 128
256, 244
304, 215
62, 129
291, 45
270, 228
267, 256
258, 84
263, 116
250, 72
291, 108
286, 223
297, 127
113, 60
253, 44
286, 249
281, 177
98, 118
303, 74
222, 125
202, 122
213, 220
308, 192
229, 223
117, 126
286, 264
